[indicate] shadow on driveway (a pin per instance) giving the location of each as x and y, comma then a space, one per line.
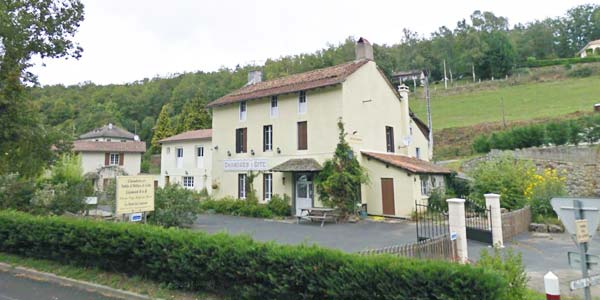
348, 237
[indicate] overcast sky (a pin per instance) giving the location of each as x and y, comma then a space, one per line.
128, 40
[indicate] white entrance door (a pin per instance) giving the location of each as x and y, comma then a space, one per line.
304, 190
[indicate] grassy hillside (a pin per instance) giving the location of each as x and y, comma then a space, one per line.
539, 94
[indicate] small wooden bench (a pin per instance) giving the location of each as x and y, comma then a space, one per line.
321, 214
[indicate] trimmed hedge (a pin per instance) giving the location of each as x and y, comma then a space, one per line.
534, 63
239, 266
277, 206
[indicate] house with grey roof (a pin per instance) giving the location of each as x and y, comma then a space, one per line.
109, 151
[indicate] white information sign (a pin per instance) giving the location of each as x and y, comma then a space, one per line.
91, 200
135, 217
584, 282
252, 164
581, 231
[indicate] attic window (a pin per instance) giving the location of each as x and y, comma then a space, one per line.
302, 108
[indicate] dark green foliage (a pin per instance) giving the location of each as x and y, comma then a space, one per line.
174, 206
481, 144
29, 29
280, 206
560, 61
510, 265
457, 187
556, 133
437, 201
235, 207
338, 184
240, 267
16, 192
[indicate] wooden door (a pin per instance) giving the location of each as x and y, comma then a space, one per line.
387, 196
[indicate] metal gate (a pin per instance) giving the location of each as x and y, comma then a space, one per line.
478, 222
431, 222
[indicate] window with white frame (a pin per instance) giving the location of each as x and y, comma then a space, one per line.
424, 186
302, 102
267, 186
188, 182
242, 186
114, 159
243, 110
268, 138
200, 157
274, 112
179, 158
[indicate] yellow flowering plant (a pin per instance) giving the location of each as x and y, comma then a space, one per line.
543, 186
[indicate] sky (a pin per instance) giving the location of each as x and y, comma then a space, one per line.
129, 40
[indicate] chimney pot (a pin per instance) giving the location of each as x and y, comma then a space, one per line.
254, 77
363, 49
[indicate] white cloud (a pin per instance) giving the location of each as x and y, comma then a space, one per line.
125, 41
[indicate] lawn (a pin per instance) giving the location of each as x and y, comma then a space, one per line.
521, 102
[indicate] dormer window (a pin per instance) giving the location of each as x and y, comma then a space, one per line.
302, 108
243, 109
274, 107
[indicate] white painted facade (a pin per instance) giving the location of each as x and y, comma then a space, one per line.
187, 163
94, 162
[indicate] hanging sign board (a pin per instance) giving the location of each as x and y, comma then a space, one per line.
135, 194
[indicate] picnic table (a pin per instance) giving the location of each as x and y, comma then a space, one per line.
318, 214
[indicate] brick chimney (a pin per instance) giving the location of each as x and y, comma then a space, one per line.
363, 49
254, 77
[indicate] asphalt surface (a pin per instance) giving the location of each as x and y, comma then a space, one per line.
348, 237
21, 288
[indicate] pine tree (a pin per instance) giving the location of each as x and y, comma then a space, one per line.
195, 116
163, 127
338, 184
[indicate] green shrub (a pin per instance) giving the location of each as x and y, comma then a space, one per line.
235, 207
557, 133
16, 192
239, 266
280, 206
511, 267
174, 206
581, 72
542, 188
437, 201
502, 175
559, 61
481, 144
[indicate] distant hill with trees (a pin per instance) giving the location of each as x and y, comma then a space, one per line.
484, 44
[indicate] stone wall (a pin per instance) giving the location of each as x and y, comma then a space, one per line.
580, 164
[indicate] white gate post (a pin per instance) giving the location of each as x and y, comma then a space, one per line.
456, 218
493, 202
552, 287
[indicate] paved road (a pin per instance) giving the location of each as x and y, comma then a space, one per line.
21, 288
347, 237
546, 252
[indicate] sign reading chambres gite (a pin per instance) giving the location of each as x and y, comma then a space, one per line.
135, 194
257, 164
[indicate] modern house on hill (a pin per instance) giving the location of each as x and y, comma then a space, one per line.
284, 129
109, 151
186, 160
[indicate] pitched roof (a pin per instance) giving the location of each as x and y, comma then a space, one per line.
422, 126
110, 131
414, 165
189, 135
92, 146
293, 83
297, 165
595, 42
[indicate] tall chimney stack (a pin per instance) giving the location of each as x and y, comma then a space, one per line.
363, 49
254, 77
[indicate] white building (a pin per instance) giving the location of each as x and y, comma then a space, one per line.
109, 151
285, 129
186, 160
592, 48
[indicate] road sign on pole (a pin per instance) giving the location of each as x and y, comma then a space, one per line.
593, 261
580, 217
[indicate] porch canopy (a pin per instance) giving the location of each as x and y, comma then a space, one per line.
298, 165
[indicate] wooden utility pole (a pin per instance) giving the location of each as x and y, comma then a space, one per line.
503, 113
427, 98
